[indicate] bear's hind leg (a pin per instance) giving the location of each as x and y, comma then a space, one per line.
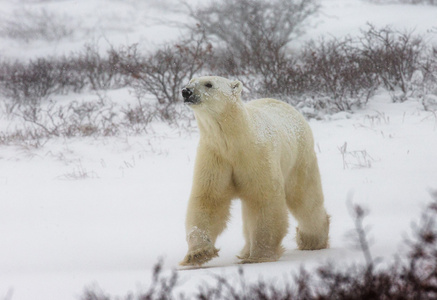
305, 201
266, 226
313, 235
245, 252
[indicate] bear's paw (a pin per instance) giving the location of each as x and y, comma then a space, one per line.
200, 256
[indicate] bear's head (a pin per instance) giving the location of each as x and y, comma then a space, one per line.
211, 93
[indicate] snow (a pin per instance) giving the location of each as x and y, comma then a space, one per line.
102, 211
340, 18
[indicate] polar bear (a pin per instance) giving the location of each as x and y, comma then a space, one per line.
261, 152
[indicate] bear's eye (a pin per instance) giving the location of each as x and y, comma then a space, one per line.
208, 85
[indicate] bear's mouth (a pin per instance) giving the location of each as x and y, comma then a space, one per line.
189, 96
191, 100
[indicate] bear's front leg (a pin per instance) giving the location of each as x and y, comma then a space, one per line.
206, 219
208, 207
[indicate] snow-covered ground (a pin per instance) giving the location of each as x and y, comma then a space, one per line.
102, 211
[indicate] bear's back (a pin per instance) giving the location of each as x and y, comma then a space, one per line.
274, 119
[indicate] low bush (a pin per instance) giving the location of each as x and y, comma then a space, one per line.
31, 82
160, 74
393, 56
102, 72
338, 74
74, 119
35, 124
39, 78
164, 72
424, 81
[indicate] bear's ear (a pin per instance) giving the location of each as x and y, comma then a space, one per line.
236, 87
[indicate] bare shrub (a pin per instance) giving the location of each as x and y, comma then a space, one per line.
394, 56
28, 138
74, 78
253, 32
75, 119
419, 273
29, 83
413, 277
424, 81
293, 79
338, 74
343, 74
94, 293
162, 288
27, 26
251, 36
163, 73
355, 158
429, 68
102, 71
36, 124
138, 117
78, 173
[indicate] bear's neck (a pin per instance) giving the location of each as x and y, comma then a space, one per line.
225, 133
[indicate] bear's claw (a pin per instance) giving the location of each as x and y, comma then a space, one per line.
199, 256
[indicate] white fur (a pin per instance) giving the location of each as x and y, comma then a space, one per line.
261, 152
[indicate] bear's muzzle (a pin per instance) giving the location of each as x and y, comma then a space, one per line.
188, 96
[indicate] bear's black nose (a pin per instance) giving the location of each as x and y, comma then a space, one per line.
186, 93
